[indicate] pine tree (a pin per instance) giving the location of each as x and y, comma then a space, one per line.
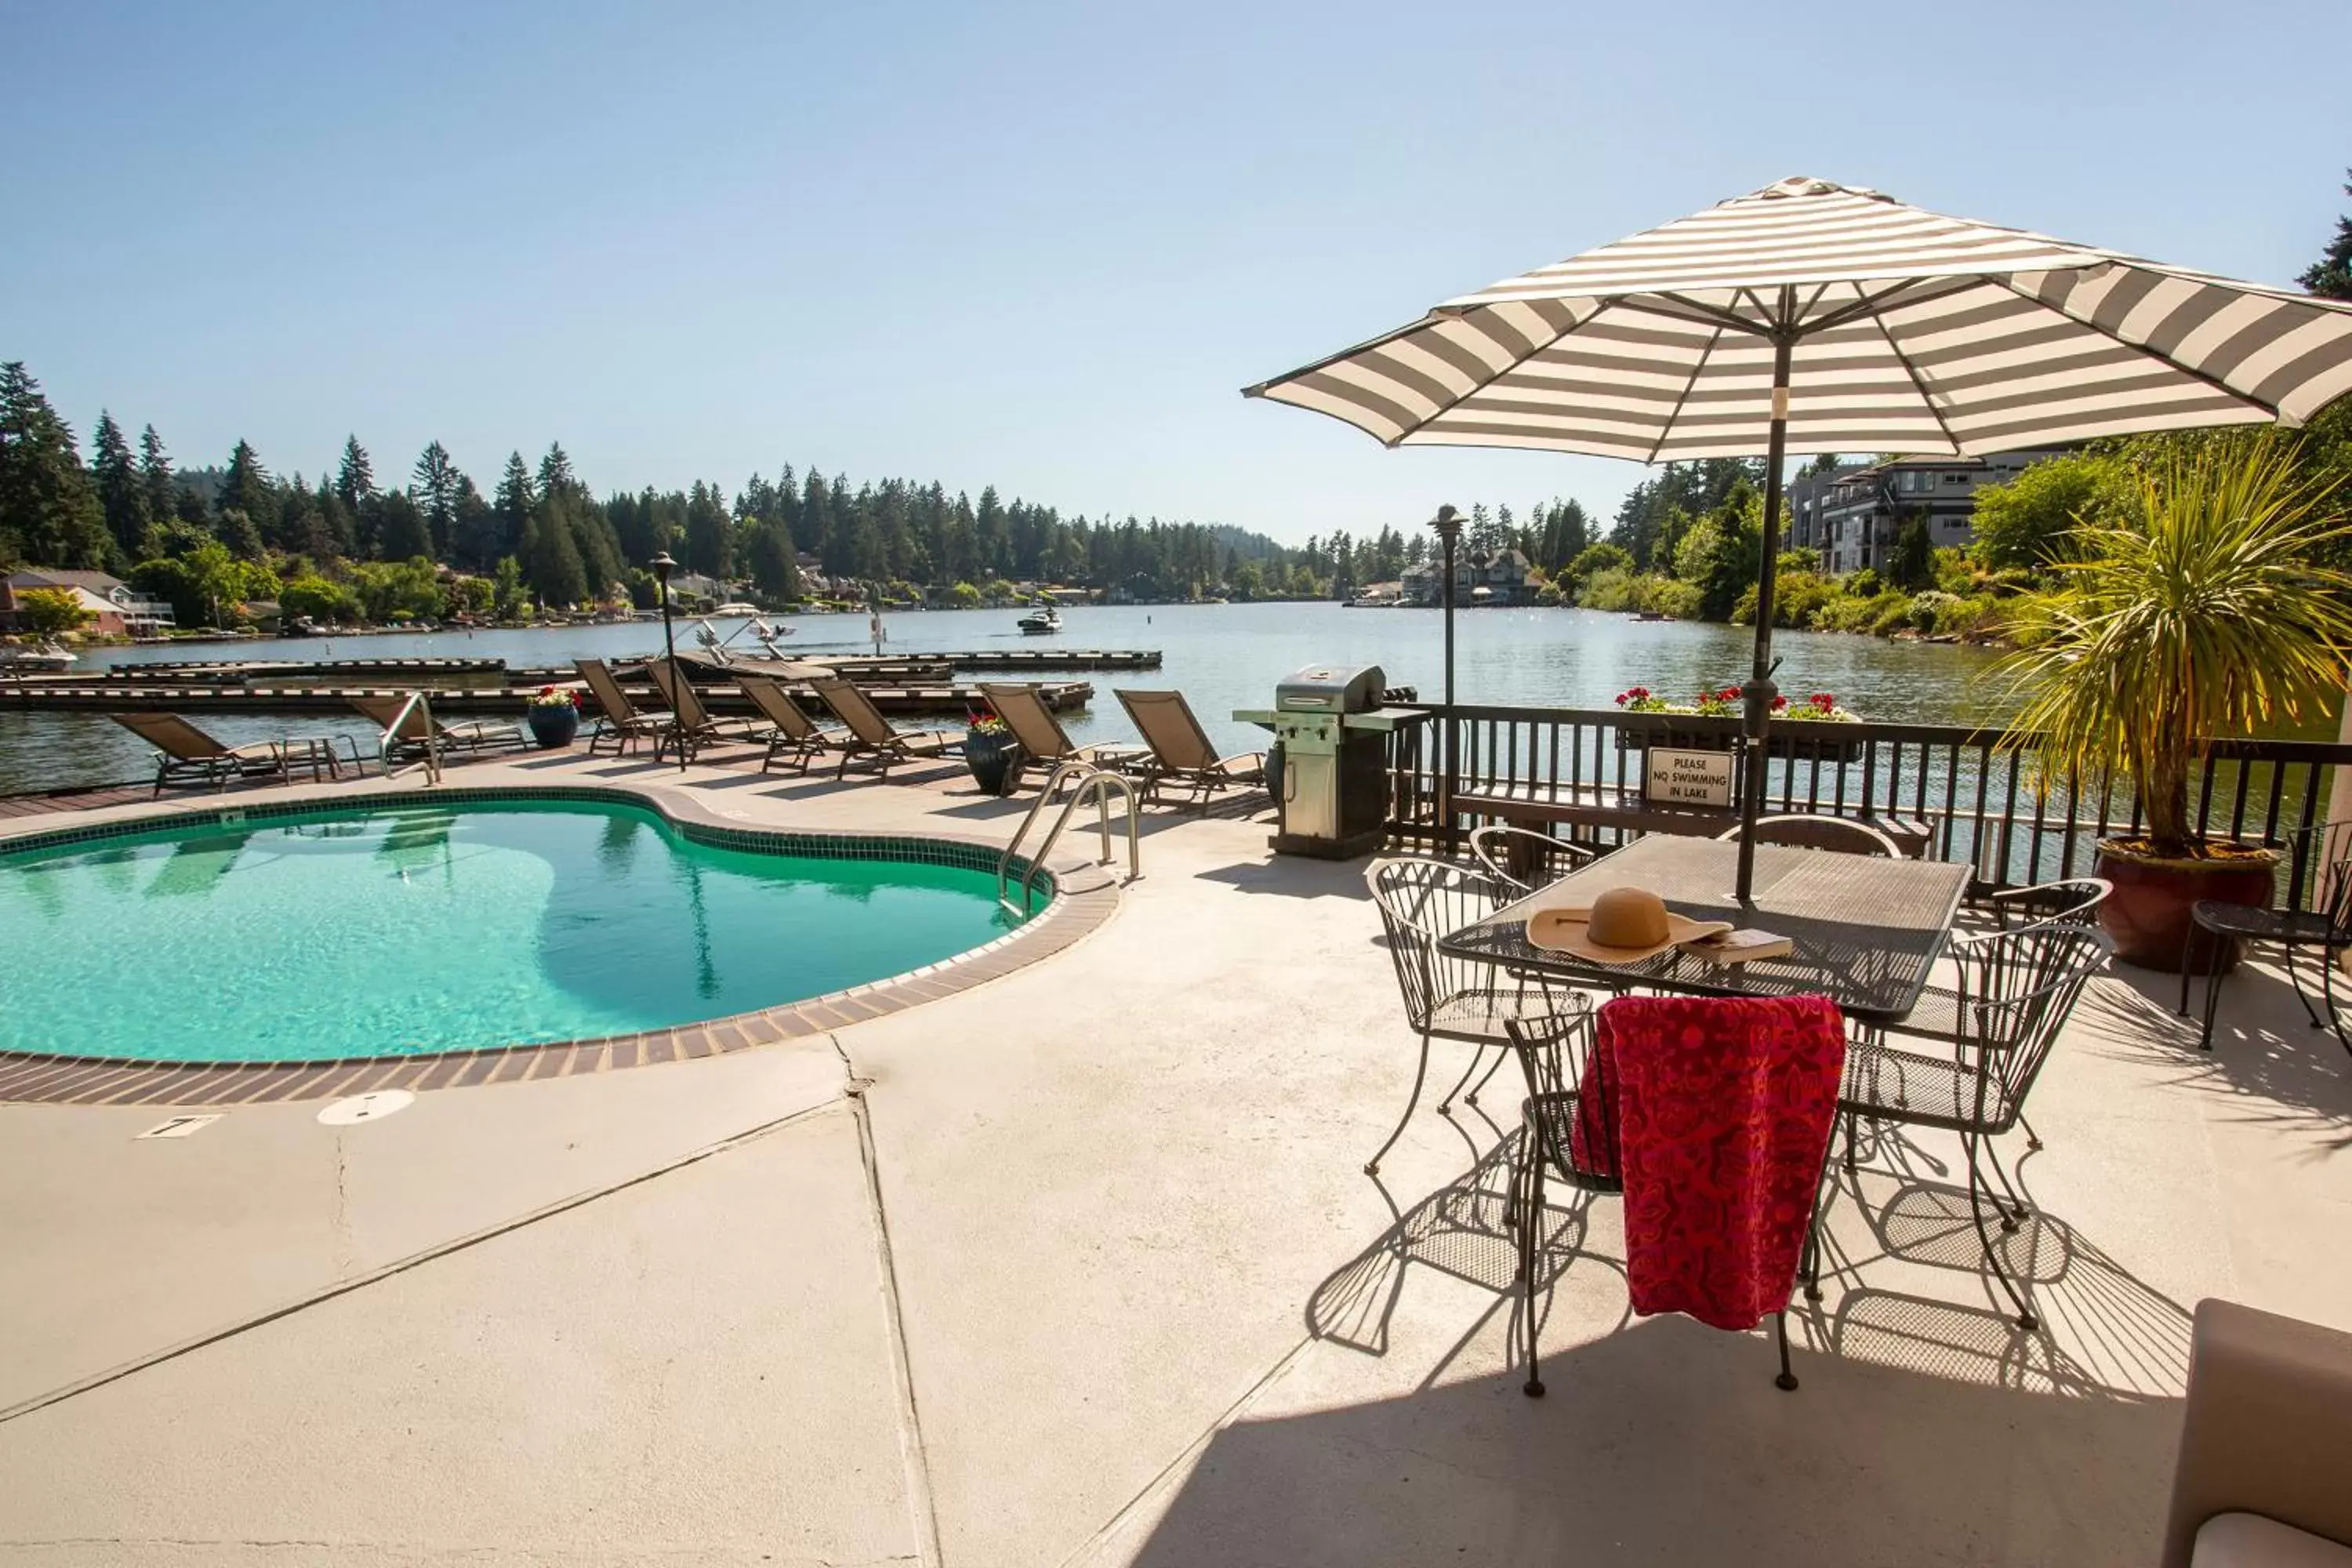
120, 493
513, 506
550, 559
400, 531
234, 527
475, 540
247, 492
336, 523
771, 560
355, 479
435, 484
155, 479
706, 533
555, 475
49, 511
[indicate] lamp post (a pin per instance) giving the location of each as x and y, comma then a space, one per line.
1448, 524
663, 567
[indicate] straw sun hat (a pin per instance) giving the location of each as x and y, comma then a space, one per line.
1623, 925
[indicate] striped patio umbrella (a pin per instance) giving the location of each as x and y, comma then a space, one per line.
1812, 317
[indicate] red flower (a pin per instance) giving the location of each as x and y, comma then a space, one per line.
1729, 694
1779, 703
1822, 701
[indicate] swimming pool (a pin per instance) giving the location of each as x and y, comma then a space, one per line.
437, 926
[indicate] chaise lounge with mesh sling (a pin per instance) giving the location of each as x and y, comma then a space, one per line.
1181, 750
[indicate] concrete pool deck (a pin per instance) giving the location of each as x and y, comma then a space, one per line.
1078, 1266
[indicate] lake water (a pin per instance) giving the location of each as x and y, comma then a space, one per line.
1222, 656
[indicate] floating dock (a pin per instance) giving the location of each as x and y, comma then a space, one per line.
69, 695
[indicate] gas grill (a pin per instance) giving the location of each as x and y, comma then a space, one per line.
1330, 733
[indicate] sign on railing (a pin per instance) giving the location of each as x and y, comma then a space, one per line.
1687, 778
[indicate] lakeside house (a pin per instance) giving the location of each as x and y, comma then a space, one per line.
115, 607
1852, 515
1498, 578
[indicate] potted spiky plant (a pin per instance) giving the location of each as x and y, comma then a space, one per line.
2196, 609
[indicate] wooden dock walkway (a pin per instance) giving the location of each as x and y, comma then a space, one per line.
943, 700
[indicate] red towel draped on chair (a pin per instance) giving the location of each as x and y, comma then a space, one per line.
1724, 1108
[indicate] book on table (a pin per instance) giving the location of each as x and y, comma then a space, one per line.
1740, 946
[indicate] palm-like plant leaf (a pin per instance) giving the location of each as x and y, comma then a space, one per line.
2203, 614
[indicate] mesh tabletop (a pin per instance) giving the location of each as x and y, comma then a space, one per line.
1866, 929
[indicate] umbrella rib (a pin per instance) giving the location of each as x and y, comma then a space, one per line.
1704, 314
2150, 350
1869, 304
1917, 384
1666, 428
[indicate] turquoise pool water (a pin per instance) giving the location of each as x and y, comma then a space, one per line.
438, 928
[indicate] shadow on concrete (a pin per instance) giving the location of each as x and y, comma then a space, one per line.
1295, 877
2266, 1056
1667, 1443
1927, 1426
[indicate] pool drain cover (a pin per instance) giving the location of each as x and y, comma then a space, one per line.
358, 1108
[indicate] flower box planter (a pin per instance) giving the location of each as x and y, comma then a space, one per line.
1802, 740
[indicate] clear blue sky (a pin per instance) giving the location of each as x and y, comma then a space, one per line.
1041, 245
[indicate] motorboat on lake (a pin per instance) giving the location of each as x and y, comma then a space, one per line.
1040, 622
41, 656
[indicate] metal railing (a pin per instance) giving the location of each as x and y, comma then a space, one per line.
419, 704
1968, 798
1089, 778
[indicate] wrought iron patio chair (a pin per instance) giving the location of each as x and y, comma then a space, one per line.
1569, 1134
2017, 989
1525, 859
2073, 901
1444, 998
1817, 830
2317, 913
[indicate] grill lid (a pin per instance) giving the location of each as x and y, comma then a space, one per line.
1331, 689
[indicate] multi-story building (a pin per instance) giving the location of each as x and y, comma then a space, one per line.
115, 608
1855, 514
1504, 577
1806, 493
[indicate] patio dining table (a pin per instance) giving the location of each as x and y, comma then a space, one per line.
1867, 930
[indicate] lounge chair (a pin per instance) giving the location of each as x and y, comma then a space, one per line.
874, 742
622, 723
796, 734
384, 709
693, 728
1181, 750
185, 754
1042, 737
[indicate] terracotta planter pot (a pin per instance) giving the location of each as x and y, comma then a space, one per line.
2147, 914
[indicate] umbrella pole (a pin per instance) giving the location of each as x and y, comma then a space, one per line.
1760, 692
1448, 524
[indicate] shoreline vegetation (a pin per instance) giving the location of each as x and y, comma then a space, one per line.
238, 547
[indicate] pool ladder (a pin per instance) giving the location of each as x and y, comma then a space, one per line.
419, 704
1098, 781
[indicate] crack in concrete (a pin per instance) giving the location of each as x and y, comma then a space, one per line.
915, 1457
